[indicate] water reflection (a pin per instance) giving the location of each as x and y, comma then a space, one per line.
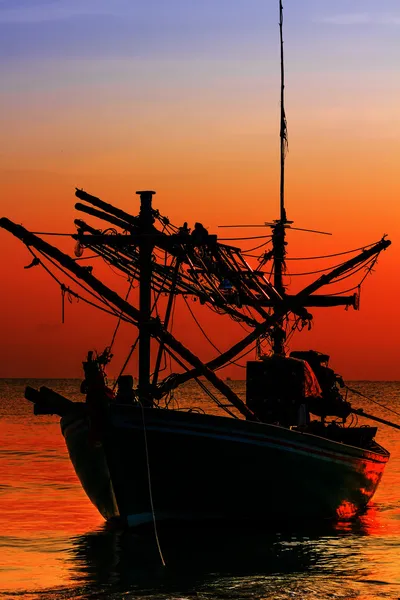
45, 554
201, 556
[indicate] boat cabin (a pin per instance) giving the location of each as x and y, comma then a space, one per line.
279, 389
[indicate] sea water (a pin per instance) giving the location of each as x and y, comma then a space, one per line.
54, 544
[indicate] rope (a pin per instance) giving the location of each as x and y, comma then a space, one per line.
52, 233
355, 287
253, 237
214, 398
87, 257
121, 314
331, 255
316, 271
365, 265
366, 262
231, 362
96, 295
76, 295
201, 384
126, 361
150, 490
372, 400
200, 327
255, 247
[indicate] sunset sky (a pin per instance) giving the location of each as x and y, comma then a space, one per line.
182, 97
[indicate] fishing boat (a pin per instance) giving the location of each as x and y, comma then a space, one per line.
292, 449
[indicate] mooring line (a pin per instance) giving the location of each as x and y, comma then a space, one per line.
150, 490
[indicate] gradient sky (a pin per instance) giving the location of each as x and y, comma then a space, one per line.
182, 96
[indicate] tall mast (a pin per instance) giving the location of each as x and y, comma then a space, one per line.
278, 231
283, 128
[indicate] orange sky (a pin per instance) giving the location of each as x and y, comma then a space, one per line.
202, 131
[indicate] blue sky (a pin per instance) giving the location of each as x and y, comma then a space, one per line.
126, 28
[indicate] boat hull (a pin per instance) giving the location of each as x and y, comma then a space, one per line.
181, 465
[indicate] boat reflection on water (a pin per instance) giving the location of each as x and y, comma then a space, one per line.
199, 559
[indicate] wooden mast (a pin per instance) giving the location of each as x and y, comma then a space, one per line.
278, 232
145, 271
283, 127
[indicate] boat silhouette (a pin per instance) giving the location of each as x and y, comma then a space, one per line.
290, 450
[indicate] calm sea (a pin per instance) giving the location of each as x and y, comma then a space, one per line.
54, 545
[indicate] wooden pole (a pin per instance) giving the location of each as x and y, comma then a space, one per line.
361, 413
154, 325
145, 273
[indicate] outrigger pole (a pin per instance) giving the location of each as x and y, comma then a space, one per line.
152, 327
296, 302
360, 412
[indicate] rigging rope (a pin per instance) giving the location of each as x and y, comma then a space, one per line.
53, 233
372, 400
150, 488
253, 237
96, 295
201, 328
256, 247
231, 362
354, 270
120, 317
126, 362
201, 384
75, 294
331, 255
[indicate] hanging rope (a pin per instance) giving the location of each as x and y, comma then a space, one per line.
331, 255
201, 328
255, 248
72, 293
202, 385
150, 487
253, 237
126, 362
121, 314
63, 303
89, 291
